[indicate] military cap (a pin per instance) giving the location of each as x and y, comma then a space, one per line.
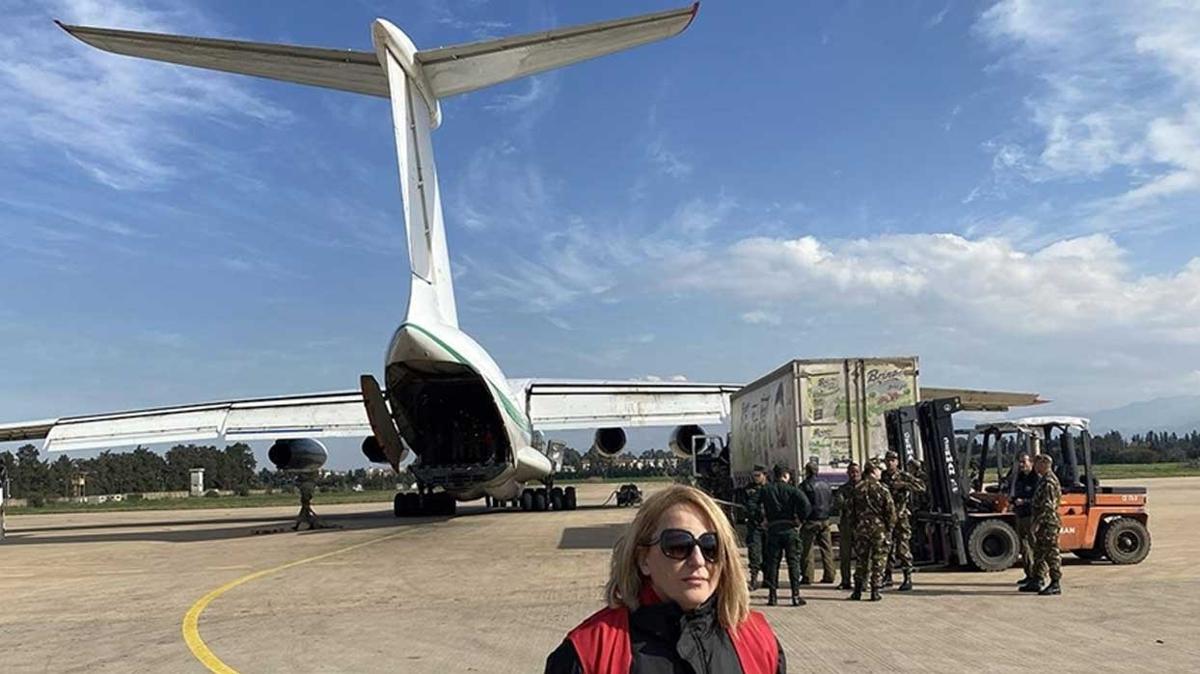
759, 468
890, 455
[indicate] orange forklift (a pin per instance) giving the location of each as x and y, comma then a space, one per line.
967, 514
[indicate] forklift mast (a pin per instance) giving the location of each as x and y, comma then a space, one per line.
944, 469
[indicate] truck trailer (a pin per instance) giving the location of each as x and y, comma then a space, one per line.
828, 411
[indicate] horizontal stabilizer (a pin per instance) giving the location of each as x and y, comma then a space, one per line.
449, 70
463, 68
356, 71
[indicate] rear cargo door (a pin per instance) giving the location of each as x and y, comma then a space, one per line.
826, 411
880, 384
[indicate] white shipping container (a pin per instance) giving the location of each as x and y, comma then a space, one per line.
822, 410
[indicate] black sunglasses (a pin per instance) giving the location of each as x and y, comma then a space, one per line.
678, 543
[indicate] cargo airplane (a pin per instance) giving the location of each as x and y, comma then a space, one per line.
446, 409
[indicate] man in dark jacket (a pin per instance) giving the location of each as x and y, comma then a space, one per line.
815, 528
1025, 482
784, 508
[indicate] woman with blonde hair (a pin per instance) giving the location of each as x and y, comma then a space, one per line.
676, 600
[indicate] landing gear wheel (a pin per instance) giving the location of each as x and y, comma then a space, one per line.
398, 504
1126, 541
527, 500
557, 499
569, 498
993, 545
412, 504
539, 500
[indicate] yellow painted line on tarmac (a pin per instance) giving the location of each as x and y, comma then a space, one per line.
191, 620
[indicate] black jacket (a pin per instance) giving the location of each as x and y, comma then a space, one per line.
820, 498
1026, 485
665, 639
783, 505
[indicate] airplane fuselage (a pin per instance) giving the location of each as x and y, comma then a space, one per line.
455, 410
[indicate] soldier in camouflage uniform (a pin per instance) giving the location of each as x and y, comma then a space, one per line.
755, 531
784, 507
874, 516
846, 524
903, 486
1046, 523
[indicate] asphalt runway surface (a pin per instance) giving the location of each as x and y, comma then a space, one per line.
190, 591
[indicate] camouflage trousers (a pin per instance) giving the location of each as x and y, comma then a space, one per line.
1025, 535
846, 552
754, 547
779, 543
901, 546
815, 534
870, 556
1046, 557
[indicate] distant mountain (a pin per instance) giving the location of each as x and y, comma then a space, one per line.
1177, 414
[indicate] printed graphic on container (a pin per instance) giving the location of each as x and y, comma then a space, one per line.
763, 432
887, 387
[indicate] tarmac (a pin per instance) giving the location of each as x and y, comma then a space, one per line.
192, 591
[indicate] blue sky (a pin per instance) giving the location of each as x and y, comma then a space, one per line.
1007, 190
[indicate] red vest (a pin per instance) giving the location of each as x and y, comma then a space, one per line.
602, 641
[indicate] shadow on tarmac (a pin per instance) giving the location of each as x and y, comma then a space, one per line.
162, 532
602, 537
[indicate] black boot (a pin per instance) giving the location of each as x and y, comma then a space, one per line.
856, 595
797, 600
827, 580
1024, 581
1034, 585
772, 598
1051, 589
753, 580
845, 584
907, 584
875, 596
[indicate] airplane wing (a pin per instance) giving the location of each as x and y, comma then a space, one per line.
984, 401
339, 414
450, 70
564, 404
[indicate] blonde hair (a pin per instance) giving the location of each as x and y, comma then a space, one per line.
625, 579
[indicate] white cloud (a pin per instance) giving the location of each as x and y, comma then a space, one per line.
1116, 88
667, 161
760, 317
123, 121
1062, 288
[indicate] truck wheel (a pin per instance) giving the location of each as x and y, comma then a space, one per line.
993, 545
569, 498
539, 500
1126, 541
527, 499
398, 506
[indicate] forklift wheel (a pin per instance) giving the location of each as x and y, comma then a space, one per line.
993, 545
1126, 541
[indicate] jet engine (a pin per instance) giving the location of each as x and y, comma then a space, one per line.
681, 440
372, 450
298, 454
609, 441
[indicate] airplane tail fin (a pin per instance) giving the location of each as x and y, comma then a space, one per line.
414, 81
